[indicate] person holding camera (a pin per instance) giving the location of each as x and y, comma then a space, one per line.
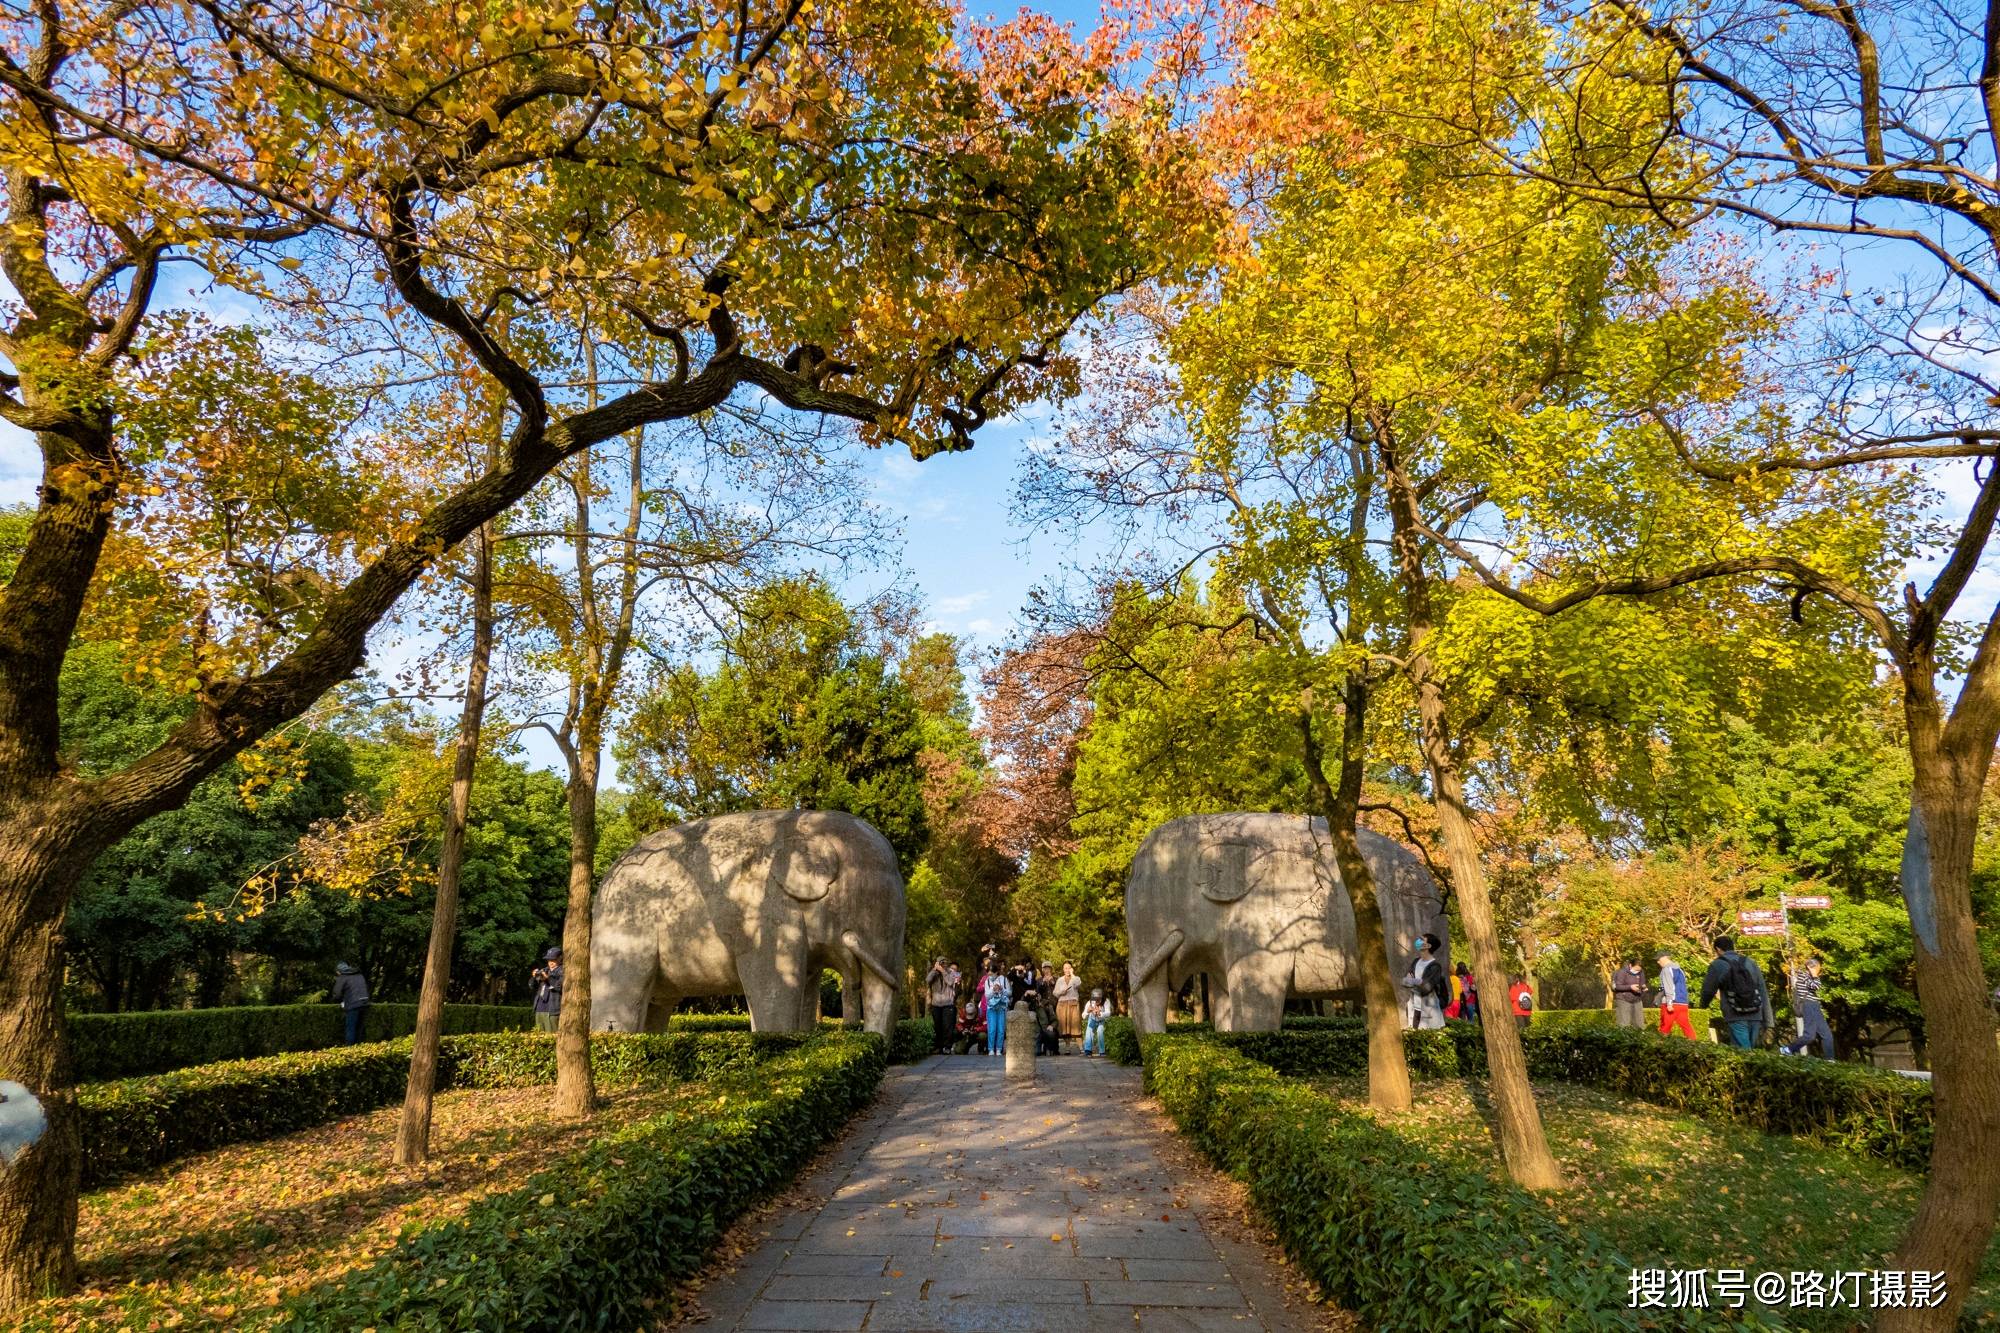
944, 1002
548, 982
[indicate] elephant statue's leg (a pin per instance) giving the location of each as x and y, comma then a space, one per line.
852, 1007
776, 1004
1149, 1004
660, 1011
1253, 994
878, 1004
619, 998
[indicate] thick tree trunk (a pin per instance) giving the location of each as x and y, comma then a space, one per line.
1523, 1143
1955, 1216
576, 1092
1388, 1065
413, 1135
38, 1192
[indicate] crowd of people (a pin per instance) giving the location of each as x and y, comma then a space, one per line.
1733, 982
969, 1015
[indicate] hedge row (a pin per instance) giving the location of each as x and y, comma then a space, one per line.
134, 1124
911, 1040
107, 1046
1870, 1111
592, 1241
1386, 1229
1568, 1020
1865, 1110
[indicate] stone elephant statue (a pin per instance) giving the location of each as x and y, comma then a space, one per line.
751, 904
1255, 901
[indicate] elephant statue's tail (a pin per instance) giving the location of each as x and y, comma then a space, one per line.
1164, 950
868, 960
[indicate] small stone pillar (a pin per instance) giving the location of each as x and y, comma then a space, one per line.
1023, 1028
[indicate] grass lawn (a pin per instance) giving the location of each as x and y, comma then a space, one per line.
1679, 1192
214, 1240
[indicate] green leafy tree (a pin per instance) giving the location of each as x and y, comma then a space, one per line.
799, 713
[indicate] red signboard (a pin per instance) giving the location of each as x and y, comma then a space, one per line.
1760, 914
1762, 928
1807, 900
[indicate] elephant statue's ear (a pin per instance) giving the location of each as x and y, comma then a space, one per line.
1223, 873
806, 873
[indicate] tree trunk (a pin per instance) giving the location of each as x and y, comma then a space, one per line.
1955, 1216
1388, 1065
1523, 1144
576, 1093
38, 1192
413, 1135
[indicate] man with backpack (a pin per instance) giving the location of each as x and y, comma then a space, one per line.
1739, 984
1674, 998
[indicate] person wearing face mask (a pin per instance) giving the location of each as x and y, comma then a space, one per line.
1427, 983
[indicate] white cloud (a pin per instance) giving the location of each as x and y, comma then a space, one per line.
958, 606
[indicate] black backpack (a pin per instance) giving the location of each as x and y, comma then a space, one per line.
1739, 987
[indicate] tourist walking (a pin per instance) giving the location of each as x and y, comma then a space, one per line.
1069, 1003
1095, 1011
547, 981
1674, 998
944, 1002
999, 995
350, 992
1811, 1014
1427, 984
1628, 995
1521, 1002
1739, 983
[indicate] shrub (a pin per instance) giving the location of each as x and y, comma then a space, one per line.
1388, 1231
593, 1240
509, 1061
709, 1023
137, 1123
1871, 1111
1864, 1110
1569, 1020
108, 1046
914, 1039
1121, 1039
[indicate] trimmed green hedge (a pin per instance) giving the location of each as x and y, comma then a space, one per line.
914, 1040
1568, 1020
1387, 1230
1870, 1111
135, 1124
911, 1041
1121, 1039
594, 1240
108, 1046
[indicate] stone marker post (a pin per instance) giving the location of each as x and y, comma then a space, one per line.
1022, 1029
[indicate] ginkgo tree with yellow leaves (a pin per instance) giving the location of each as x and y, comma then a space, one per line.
868, 211
1397, 334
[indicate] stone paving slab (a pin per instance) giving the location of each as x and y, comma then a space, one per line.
964, 1203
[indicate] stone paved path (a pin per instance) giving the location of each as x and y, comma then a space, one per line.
967, 1203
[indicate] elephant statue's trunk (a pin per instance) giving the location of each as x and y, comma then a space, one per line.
868, 960
1155, 960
